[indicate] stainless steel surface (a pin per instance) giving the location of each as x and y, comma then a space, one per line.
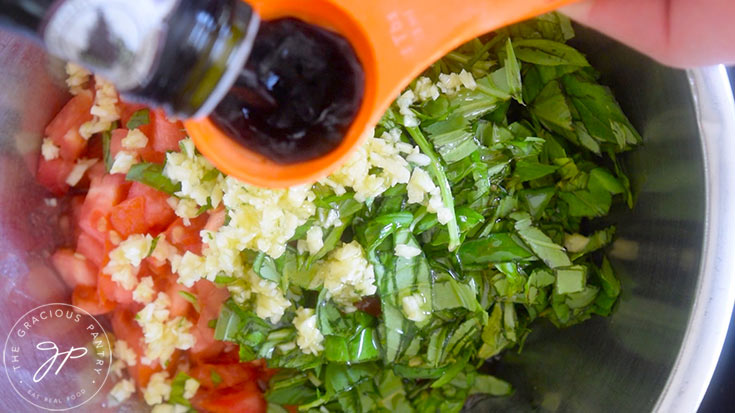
657, 352
713, 302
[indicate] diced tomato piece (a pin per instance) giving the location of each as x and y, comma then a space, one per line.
179, 305
111, 291
187, 238
216, 219
158, 214
101, 222
103, 195
164, 280
128, 217
126, 328
52, 175
64, 128
149, 155
142, 372
74, 113
231, 374
75, 214
91, 248
75, 269
205, 346
116, 138
245, 398
162, 134
166, 134
160, 270
94, 148
72, 145
86, 298
210, 299
96, 171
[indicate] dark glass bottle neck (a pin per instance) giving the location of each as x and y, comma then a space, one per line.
179, 55
25, 16
206, 45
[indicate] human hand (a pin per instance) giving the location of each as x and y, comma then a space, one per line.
681, 33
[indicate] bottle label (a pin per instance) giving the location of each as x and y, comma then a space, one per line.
116, 39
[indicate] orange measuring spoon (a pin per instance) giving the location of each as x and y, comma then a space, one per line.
395, 40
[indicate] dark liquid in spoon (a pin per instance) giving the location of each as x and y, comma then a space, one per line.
297, 95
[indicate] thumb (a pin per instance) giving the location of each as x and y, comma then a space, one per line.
676, 32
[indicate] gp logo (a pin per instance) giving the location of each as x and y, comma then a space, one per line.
57, 357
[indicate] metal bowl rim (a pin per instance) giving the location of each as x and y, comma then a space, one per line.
715, 296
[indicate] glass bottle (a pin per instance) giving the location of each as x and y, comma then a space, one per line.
180, 55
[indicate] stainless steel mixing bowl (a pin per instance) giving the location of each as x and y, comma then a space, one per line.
659, 349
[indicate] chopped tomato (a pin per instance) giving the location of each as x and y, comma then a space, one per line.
97, 171
158, 213
91, 248
142, 372
116, 138
94, 148
164, 280
126, 328
64, 128
231, 374
86, 298
112, 291
179, 305
162, 134
52, 175
147, 154
72, 145
166, 134
245, 398
187, 238
128, 217
103, 195
216, 219
210, 298
160, 270
75, 269
75, 214
205, 346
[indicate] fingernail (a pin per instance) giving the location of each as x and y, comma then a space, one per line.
578, 10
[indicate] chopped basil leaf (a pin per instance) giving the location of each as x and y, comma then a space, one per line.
191, 298
106, 138
139, 118
178, 388
154, 244
487, 384
215, 377
548, 53
151, 174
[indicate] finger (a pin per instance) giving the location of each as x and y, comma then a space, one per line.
676, 32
